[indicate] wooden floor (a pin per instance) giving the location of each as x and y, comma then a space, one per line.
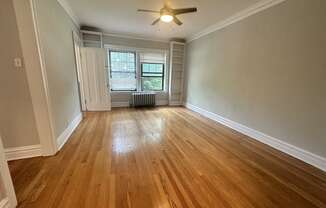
165, 157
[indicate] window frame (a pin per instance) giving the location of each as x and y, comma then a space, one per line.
141, 76
110, 66
138, 51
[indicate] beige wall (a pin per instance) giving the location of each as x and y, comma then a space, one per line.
17, 122
267, 72
55, 28
136, 43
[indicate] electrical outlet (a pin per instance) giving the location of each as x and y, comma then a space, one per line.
18, 63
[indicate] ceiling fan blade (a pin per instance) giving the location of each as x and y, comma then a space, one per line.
147, 10
177, 21
156, 21
184, 10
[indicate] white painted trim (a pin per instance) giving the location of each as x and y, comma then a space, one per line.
175, 103
162, 102
65, 135
135, 49
17, 153
130, 36
138, 51
26, 17
4, 203
49, 147
182, 79
77, 51
177, 43
7, 184
290, 149
99, 109
65, 5
120, 104
258, 7
91, 32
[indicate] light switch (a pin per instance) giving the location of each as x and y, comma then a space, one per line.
18, 63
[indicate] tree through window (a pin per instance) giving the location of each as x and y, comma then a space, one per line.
152, 76
123, 70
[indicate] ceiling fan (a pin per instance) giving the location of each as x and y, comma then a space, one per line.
167, 14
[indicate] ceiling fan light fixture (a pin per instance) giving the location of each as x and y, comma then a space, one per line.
168, 14
166, 18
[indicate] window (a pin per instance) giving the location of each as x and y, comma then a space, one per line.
123, 70
152, 76
137, 69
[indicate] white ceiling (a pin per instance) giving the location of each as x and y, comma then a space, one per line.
121, 16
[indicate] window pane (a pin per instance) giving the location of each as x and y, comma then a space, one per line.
152, 76
123, 70
152, 83
152, 67
123, 84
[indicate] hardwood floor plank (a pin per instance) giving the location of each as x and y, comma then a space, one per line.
165, 158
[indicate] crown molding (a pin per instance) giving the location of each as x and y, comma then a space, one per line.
65, 5
258, 7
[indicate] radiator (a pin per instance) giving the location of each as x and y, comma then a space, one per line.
143, 99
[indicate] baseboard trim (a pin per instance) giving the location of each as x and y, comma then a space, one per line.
301, 154
175, 103
120, 104
17, 153
4, 203
65, 135
99, 109
162, 102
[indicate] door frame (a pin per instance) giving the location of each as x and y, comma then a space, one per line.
34, 62
77, 49
10, 201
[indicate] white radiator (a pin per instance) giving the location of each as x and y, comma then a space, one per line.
143, 99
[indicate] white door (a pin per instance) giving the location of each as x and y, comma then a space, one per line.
95, 79
7, 192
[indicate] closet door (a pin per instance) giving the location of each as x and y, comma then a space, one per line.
7, 192
95, 79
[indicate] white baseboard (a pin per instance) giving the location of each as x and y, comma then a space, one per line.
119, 104
162, 102
16, 153
4, 203
175, 103
63, 138
30, 151
99, 108
308, 157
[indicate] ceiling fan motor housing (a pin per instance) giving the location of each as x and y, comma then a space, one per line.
168, 14
166, 11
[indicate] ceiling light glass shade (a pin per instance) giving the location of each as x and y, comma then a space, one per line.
166, 18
